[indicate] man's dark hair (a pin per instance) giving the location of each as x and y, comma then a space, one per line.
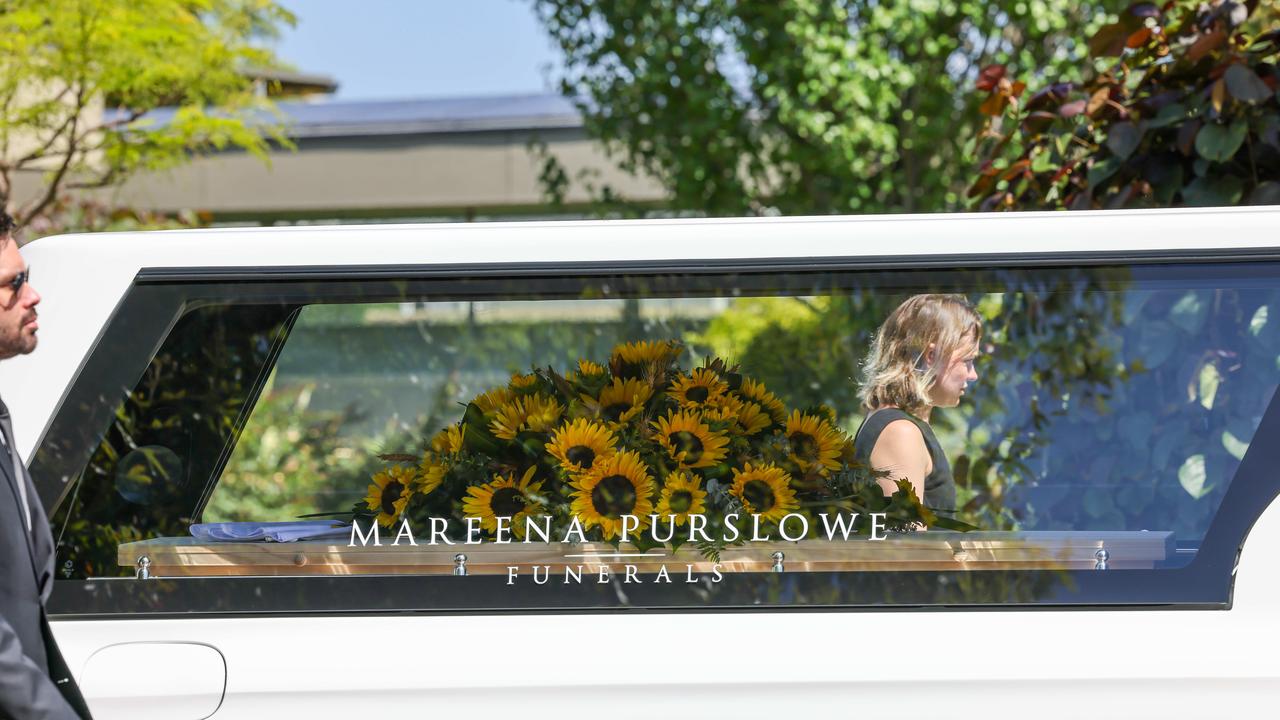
7, 227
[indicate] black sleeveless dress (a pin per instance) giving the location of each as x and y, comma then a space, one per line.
939, 485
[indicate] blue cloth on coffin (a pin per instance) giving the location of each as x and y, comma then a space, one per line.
270, 531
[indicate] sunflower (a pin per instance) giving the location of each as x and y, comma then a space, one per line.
725, 409
524, 384
616, 486
580, 444
753, 419
699, 389
682, 496
646, 358
620, 401
430, 475
764, 490
755, 391
492, 401
646, 351
536, 413
689, 441
814, 443
586, 370
389, 493
449, 440
505, 497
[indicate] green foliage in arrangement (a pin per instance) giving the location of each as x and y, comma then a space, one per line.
638, 437
1186, 113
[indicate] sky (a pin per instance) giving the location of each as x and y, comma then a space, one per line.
420, 48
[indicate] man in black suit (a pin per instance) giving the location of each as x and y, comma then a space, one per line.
34, 680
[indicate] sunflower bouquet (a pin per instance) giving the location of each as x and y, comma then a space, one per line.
636, 448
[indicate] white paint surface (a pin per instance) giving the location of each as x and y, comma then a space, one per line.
998, 664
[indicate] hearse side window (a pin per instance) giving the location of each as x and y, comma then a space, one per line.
671, 439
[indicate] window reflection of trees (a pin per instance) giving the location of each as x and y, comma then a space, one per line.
1105, 403
151, 468
1101, 404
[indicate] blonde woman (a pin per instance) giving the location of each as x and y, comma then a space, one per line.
921, 358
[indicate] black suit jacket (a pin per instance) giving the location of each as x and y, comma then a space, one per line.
34, 680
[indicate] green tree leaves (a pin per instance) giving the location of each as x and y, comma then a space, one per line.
1245, 85
79, 77
798, 106
1186, 114
1218, 142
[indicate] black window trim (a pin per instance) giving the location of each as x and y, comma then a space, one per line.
311, 273
127, 599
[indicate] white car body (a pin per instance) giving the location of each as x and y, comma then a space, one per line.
1121, 663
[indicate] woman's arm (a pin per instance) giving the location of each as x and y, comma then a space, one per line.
900, 449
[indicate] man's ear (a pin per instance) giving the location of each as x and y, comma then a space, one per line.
930, 354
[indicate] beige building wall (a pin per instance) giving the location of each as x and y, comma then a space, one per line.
388, 176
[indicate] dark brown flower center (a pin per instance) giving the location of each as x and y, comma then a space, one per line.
390, 494
687, 443
580, 455
615, 411
681, 500
697, 393
804, 445
614, 496
507, 502
759, 495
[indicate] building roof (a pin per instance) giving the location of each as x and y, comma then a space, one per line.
286, 83
357, 118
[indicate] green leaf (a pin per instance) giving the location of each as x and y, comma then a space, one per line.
1209, 380
1259, 321
1166, 181
1168, 115
1234, 445
1101, 171
1190, 311
1213, 192
1192, 476
1219, 143
1245, 85
562, 386
477, 437
945, 523
1269, 130
1124, 139
1267, 193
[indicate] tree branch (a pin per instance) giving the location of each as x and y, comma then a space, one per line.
51, 192
41, 151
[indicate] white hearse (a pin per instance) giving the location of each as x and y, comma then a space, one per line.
509, 413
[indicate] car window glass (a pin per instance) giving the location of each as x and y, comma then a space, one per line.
1105, 414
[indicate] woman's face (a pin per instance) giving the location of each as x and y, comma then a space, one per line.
953, 377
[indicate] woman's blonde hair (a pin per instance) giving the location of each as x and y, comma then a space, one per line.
896, 371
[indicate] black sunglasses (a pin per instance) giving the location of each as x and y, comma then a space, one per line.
19, 280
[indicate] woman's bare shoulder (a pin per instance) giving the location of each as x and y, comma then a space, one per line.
901, 446
902, 434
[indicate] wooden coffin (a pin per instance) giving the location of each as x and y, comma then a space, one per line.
933, 550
